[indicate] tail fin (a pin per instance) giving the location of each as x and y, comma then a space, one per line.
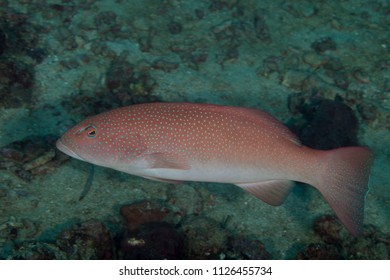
344, 183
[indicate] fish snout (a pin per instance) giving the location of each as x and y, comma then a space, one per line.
66, 150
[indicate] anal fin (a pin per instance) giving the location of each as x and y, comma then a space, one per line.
273, 192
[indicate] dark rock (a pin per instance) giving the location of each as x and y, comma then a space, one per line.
145, 43
119, 76
88, 241
147, 233
37, 54
143, 212
127, 84
217, 5
329, 229
373, 245
16, 82
231, 54
31, 156
369, 112
106, 23
261, 28
165, 66
324, 44
12, 153
320, 251
37, 251
152, 241
199, 13
3, 42
246, 249
21, 35
205, 238
198, 58
330, 124
175, 27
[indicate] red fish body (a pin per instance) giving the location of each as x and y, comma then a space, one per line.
201, 142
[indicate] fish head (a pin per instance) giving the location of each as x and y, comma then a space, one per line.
80, 141
101, 140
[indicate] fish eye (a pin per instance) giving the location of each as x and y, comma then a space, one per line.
91, 131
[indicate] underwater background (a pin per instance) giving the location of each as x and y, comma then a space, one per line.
321, 67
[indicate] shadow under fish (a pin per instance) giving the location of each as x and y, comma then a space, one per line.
88, 183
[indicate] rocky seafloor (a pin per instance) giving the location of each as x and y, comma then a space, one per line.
321, 67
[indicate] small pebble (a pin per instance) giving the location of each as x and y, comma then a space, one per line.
324, 44
175, 27
313, 59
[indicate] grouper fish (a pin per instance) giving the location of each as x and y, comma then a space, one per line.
174, 142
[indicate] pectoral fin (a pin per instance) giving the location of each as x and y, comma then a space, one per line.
166, 160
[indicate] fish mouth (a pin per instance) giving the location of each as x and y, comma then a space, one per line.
63, 148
